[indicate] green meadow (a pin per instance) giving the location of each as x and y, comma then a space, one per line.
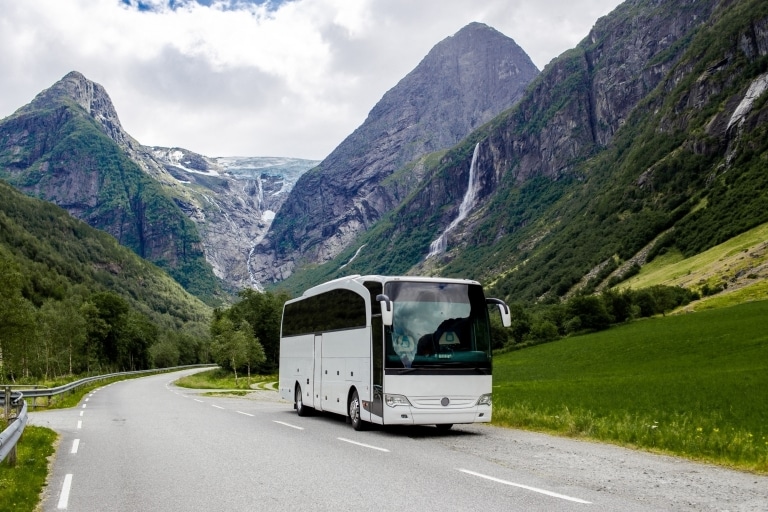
693, 384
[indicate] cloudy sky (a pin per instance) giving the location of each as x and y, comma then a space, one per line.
255, 77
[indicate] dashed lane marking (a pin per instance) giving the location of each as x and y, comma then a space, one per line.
362, 444
527, 487
289, 425
64, 496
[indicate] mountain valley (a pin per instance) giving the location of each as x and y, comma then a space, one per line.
647, 138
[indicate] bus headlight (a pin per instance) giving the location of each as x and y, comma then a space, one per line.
484, 399
395, 400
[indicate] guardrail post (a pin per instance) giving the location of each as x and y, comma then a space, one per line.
11, 458
7, 403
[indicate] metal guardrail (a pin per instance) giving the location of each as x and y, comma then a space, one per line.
10, 436
48, 393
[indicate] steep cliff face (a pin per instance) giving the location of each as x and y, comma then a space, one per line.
462, 83
67, 147
659, 86
570, 113
650, 135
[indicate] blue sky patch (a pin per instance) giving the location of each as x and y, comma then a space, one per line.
143, 6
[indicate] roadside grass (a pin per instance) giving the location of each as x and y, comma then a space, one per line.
20, 486
693, 385
219, 378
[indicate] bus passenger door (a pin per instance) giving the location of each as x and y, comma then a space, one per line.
317, 390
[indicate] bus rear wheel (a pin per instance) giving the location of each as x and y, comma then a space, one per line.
354, 412
301, 409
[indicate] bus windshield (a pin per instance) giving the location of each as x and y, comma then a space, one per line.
438, 326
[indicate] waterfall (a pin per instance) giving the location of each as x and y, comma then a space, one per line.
440, 245
261, 191
353, 257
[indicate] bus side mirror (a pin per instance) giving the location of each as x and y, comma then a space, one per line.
386, 309
506, 316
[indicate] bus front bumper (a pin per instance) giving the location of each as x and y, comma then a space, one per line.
411, 415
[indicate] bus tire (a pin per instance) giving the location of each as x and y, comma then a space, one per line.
301, 409
354, 412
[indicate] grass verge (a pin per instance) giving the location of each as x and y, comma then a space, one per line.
692, 385
20, 486
222, 379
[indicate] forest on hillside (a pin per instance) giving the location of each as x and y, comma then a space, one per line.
74, 301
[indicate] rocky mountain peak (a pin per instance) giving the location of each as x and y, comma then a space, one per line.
92, 97
463, 82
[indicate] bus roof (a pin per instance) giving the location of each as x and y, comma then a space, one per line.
358, 279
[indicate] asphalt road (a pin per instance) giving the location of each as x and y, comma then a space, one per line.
146, 445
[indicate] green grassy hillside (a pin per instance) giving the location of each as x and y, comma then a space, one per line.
730, 273
693, 385
73, 300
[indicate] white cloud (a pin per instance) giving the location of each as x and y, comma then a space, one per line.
248, 78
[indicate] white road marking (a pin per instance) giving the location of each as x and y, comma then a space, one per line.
196, 400
85, 405
64, 496
81, 413
75, 446
289, 425
79, 424
245, 413
87, 399
363, 445
217, 406
527, 487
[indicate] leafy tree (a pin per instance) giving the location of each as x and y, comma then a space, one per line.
521, 322
587, 312
543, 330
165, 353
111, 309
254, 351
17, 322
618, 304
63, 335
263, 311
230, 346
136, 335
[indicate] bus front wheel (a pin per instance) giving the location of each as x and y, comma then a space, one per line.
354, 412
301, 409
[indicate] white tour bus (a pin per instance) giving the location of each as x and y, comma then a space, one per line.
390, 350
